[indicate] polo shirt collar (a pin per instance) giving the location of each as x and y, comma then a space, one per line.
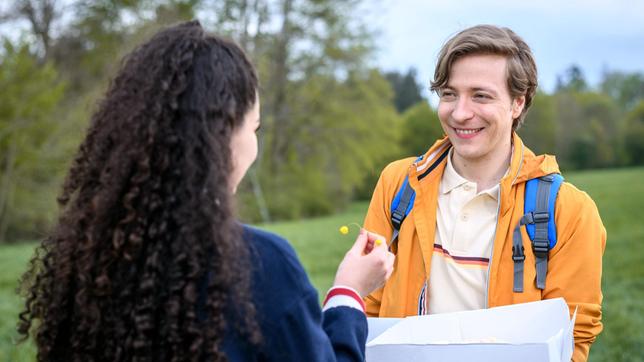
452, 180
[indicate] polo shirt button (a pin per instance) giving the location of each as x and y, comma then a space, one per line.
467, 187
464, 217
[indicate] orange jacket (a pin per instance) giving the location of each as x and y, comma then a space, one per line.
574, 264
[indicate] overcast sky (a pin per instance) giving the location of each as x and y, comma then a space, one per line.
596, 35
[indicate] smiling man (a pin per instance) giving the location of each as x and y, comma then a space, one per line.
455, 215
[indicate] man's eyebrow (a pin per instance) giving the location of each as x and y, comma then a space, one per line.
484, 89
473, 89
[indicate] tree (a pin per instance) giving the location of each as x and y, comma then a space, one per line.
587, 129
327, 119
573, 80
31, 156
407, 91
42, 121
311, 57
41, 15
603, 118
539, 129
420, 129
342, 133
634, 135
626, 88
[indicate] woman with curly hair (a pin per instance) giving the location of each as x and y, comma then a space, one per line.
147, 261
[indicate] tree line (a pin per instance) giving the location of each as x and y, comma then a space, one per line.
330, 120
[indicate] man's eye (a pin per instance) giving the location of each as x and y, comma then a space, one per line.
447, 95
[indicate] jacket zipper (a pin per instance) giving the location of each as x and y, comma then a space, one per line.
496, 227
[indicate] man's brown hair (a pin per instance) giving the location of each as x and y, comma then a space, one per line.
490, 39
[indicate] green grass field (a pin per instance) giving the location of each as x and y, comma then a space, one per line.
619, 194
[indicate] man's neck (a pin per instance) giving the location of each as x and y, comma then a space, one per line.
485, 172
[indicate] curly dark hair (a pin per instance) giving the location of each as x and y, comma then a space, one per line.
147, 257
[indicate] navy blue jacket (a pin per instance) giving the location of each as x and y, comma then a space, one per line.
292, 324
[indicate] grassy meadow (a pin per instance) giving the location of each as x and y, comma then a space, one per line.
619, 194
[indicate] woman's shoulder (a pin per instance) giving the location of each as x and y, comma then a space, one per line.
268, 245
274, 260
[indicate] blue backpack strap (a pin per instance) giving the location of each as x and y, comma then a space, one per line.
555, 181
539, 210
401, 206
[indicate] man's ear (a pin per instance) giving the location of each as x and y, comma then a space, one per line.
517, 106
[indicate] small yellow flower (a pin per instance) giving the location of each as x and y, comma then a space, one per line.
344, 229
378, 242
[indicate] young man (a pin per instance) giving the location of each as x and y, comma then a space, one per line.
455, 248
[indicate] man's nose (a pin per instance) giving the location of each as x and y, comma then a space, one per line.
462, 110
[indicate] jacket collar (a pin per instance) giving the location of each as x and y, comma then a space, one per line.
524, 165
433, 161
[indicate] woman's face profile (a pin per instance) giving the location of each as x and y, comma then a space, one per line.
243, 145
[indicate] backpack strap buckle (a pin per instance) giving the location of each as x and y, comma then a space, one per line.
517, 253
518, 257
540, 217
540, 248
397, 218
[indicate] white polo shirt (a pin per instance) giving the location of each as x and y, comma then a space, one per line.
465, 226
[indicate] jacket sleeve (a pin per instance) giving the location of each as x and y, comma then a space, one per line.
306, 334
575, 265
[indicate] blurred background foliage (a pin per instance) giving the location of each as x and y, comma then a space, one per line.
331, 120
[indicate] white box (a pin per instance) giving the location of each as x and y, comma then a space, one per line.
530, 332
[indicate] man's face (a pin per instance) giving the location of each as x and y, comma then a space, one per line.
476, 110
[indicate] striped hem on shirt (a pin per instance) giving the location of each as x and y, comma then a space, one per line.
461, 260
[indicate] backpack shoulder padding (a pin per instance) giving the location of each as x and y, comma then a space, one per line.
530, 204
